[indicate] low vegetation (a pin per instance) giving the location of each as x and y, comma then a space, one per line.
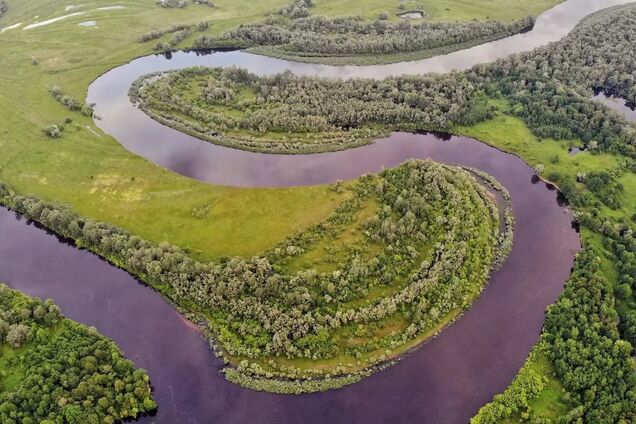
401, 258
588, 337
54, 370
72, 104
179, 33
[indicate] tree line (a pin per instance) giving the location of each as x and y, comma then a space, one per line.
179, 33
292, 31
437, 235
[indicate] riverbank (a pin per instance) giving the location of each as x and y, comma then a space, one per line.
536, 208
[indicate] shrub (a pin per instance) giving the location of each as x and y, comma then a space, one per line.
53, 131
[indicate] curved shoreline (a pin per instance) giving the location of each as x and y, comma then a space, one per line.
488, 344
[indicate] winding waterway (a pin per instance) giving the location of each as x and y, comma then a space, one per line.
620, 105
444, 381
193, 158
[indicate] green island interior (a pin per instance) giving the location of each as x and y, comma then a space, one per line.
305, 289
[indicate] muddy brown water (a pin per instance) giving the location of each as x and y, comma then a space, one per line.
444, 381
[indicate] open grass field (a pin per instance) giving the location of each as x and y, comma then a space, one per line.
511, 134
436, 10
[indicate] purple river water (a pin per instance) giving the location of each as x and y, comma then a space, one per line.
444, 381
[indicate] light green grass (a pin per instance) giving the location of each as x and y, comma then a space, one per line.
512, 135
550, 403
436, 10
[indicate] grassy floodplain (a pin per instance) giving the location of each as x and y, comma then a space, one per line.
95, 176
93, 173
437, 10
55, 370
400, 259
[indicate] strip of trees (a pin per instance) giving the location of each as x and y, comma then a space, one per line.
179, 33
293, 114
55, 370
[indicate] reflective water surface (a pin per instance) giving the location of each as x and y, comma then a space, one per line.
444, 381
620, 105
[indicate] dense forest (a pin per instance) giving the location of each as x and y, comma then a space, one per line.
550, 87
589, 333
581, 338
293, 32
53, 370
402, 257
291, 114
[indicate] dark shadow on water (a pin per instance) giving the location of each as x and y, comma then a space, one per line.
207, 52
562, 201
438, 135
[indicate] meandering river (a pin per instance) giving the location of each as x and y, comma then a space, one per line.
444, 381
